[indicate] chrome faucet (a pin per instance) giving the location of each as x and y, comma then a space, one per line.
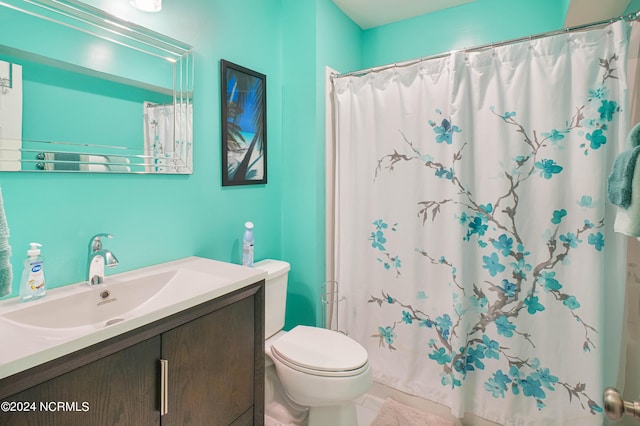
98, 259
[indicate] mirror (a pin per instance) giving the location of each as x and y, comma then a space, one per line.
84, 91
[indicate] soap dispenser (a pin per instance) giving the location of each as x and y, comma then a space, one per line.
32, 284
247, 245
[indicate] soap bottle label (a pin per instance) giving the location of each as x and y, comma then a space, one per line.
36, 278
247, 253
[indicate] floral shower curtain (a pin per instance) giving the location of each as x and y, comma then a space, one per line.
474, 243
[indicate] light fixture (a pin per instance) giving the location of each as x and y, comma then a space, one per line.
147, 5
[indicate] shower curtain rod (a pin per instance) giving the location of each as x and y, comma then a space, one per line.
629, 17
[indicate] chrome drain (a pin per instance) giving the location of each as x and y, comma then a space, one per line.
113, 321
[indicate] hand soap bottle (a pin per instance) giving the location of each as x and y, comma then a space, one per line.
247, 245
32, 284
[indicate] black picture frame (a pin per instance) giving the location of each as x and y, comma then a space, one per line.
243, 98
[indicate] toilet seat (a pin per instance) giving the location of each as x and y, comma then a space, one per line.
320, 352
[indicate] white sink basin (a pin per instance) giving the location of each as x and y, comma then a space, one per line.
98, 306
73, 317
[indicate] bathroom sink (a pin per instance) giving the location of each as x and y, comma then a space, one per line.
75, 316
120, 297
98, 306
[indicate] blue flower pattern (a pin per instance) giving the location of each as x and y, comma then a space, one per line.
445, 131
492, 264
557, 216
378, 241
596, 138
548, 168
507, 262
606, 113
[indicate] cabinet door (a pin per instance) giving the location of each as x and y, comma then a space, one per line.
121, 389
212, 367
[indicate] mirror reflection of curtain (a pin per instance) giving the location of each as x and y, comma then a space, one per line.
167, 136
10, 115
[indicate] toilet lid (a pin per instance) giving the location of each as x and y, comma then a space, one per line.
320, 349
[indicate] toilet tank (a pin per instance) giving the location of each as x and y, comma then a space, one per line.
275, 294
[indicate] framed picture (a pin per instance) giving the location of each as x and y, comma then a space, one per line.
244, 125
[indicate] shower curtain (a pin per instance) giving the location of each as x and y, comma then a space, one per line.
474, 243
168, 136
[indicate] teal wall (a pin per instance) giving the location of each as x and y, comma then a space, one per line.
634, 6
468, 25
299, 214
55, 100
315, 34
161, 218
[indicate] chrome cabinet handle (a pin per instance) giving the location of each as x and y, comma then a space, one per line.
615, 407
164, 387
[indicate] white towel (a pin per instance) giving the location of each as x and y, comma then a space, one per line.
628, 220
5, 253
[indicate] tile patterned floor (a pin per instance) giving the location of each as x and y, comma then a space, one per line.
367, 408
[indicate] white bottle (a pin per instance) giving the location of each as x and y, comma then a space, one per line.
247, 245
32, 284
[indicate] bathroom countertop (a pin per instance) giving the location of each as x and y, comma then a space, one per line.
194, 281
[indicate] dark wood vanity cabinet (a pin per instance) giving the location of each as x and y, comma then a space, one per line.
213, 373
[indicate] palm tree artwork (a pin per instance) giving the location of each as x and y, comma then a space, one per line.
244, 125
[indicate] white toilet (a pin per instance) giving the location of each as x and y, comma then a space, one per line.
318, 370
